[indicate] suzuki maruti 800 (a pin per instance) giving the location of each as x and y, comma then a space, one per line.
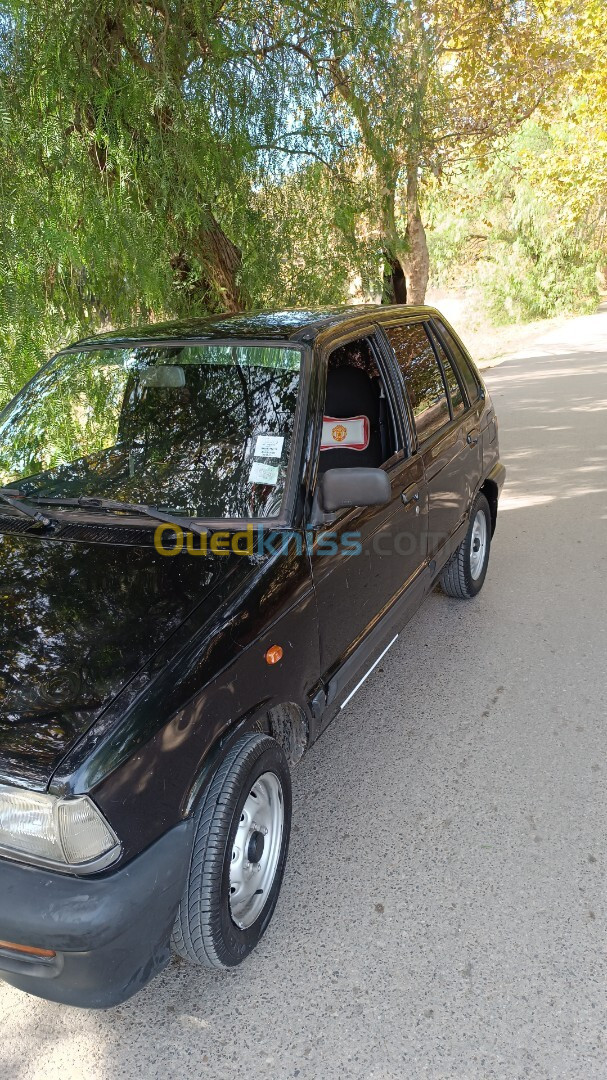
210, 532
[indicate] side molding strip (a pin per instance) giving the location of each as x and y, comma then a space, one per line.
366, 676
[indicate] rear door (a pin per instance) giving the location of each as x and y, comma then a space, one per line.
438, 408
480, 423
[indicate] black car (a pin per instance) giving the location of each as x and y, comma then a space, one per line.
210, 533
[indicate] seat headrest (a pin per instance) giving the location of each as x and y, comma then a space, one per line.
350, 392
351, 428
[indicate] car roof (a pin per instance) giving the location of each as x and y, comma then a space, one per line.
289, 324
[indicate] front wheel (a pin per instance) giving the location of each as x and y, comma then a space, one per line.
464, 574
239, 855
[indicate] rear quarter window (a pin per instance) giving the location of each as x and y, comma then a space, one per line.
453, 380
464, 366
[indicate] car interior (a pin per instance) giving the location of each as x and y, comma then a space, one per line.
358, 429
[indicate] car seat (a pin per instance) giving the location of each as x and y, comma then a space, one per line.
352, 394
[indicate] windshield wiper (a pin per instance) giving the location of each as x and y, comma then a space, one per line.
92, 503
13, 497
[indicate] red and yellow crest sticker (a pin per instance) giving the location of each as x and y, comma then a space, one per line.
349, 432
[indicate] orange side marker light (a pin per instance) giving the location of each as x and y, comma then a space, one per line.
29, 950
274, 654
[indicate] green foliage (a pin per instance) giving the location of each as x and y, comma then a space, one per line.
532, 244
126, 132
176, 157
537, 268
307, 241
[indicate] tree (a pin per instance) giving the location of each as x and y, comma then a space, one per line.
174, 157
424, 85
127, 148
574, 175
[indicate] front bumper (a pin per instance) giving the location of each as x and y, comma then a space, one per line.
111, 934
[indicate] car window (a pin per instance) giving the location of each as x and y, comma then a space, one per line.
464, 367
204, 430
358, 427
455, 390
422, 375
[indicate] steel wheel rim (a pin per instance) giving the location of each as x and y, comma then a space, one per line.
478, 545
256, 850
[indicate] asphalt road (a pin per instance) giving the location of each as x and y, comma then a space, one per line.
443, 913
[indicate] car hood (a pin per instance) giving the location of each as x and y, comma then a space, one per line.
77, 622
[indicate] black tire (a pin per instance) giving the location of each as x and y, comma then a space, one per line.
205, 932
456, 578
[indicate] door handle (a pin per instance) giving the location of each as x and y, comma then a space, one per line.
408, 498
471, 439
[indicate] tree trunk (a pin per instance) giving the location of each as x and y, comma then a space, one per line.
395, 285
223, 262
388, 169
215, 286
417, 259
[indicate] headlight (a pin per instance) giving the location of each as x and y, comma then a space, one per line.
67, 833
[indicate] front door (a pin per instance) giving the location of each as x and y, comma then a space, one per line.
366, 558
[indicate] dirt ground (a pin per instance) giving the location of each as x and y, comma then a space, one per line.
487, 343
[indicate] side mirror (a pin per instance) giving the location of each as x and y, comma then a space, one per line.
341, 488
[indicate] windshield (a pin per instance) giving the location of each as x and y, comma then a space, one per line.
200, 430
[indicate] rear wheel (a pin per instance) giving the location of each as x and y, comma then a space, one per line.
239, 855
464, 574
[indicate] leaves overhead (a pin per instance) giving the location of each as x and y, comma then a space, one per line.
166, 158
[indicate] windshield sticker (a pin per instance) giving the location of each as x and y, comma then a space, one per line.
263, 474
269, 446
